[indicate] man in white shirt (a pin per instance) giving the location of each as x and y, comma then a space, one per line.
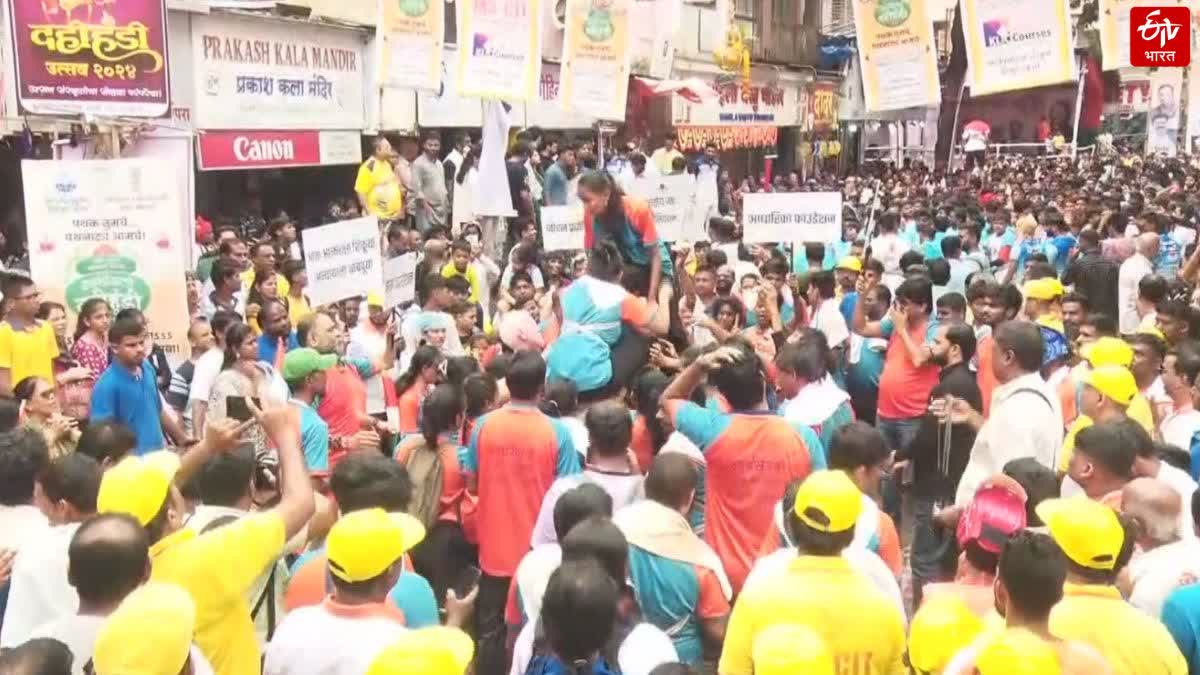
1147, 464
1180, 369
368, 340
39, 590
1166, 557
822, 294
1025, 418
1131, 273
23, 456
208, 366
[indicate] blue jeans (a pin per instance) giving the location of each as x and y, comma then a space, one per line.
898, 434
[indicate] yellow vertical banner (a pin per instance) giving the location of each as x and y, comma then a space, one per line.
499, 48
896, 54
595, 58
1017, 44
411, 34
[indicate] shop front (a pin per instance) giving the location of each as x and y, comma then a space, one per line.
749, 125
278, 109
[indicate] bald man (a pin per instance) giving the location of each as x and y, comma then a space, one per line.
1167, 559
1137, 266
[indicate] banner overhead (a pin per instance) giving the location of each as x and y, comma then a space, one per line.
896, 54
1017, 44
500, 48
595, 58
410, 34
110, 229
96, 59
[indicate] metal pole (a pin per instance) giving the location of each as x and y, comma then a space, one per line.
1083, 69
954, 129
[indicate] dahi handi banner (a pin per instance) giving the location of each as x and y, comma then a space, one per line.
1017, 44
500, 47
896, 54
411, 33
1115, 30
110, 229
792, 217
91, 58
595, 58
342, 260
727, 138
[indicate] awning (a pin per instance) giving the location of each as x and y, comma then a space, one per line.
691, 89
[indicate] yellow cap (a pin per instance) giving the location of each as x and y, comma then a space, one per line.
828, 501
1043, 289
1152, 330
1087, 531
784, 649
850, 264
437, 650
150, 633
1115, 382
940, 629
1017, 651
375, 299
1108, 351
363, 544
138, 486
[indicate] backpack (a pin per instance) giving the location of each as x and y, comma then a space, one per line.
425, 469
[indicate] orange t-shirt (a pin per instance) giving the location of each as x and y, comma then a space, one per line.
985, 377
457, 504
903, 388
642, 444
410, 409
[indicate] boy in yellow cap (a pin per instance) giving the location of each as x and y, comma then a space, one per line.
343, 634
150, 633
1043, 297
1092, 610
1108, 393
219, 567
819, 589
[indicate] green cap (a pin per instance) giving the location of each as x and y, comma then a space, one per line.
300, 363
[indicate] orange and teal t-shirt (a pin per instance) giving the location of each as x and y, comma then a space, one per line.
515, 454
904, 388
758, 449
634, 233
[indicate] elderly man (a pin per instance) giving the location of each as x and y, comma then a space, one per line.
1166, 557
1133, 270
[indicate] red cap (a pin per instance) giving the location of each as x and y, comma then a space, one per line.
995, 514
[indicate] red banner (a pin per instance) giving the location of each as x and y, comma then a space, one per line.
727, 138
259, 149
101, 58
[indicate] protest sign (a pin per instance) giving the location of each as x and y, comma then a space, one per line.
792, 217
562, 228
671, 198
343, 260
400, 279
110, 229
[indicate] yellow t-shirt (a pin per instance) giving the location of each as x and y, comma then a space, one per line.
28, 352
281, 283
449, 270
379, 183
1139, 411
298, 308
1133, 643
218, 568
861, 627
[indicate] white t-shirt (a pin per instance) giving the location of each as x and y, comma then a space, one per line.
1178, 429
1182, 483
1157, 572
1132, 271
644, 649
79, 633
829, 320
39, 590
367, 343
623, 488
332, 639
208, 366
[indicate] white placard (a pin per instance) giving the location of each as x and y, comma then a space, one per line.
562, 228
400, 279
672, 199
257, 74
110, 229
792, 216
343, 260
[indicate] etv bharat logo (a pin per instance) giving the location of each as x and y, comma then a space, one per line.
1160, 36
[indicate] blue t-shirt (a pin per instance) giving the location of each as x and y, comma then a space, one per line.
314, 436
1170, 256
268, 347
849, 301
132, 400
1061, 247
1181, 616
555, 185
412, 594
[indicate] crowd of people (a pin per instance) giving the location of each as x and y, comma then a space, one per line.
961, 439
